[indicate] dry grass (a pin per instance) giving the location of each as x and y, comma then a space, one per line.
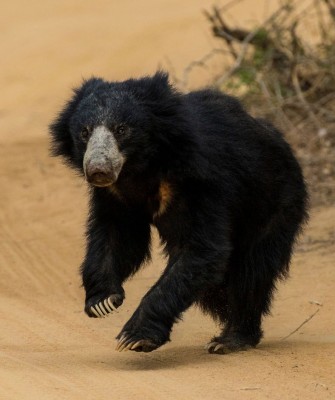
287, 74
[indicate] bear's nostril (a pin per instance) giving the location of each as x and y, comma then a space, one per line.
99, 176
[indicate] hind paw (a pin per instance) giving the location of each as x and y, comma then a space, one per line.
216, 347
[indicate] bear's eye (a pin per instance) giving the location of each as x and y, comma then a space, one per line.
121, 130
85, 134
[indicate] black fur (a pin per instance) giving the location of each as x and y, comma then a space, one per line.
238, 201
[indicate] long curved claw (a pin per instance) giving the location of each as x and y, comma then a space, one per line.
95, 312
137, 344
218, 347
102, 309
97, 309
109, 310
111, 304
210, 345
121, 341
123, 345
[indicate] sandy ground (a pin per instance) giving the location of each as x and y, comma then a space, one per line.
48, 348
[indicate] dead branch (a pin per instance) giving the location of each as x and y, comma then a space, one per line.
202, 62
302, 99
301, 325
225, 33
245, 37
331, 7
284, 77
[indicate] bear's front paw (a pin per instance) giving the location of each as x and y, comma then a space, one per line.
98, 307
134, 343
137, 341
141, 334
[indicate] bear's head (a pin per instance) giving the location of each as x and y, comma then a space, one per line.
110, 128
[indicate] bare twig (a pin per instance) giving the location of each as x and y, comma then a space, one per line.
331, 7
275, 107
229, 5
301, 97
301, 325
316, 302
284, 77
225, 32
202, 62
321, 21
245, 44
239, 59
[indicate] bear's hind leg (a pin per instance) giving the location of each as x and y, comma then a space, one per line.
249, 285
237, 334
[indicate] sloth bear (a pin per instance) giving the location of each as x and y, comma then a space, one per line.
223, 189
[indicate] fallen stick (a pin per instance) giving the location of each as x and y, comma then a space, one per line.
302, 324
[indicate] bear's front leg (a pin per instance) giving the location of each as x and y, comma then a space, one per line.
141, 334
118, 242
176, 290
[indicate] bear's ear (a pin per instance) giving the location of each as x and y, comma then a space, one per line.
61, 141
161, 99
157, 86
151, 89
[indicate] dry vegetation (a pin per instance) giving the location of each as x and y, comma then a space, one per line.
284, 70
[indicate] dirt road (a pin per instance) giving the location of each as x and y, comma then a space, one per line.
48, 348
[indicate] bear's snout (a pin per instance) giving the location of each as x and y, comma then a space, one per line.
100, 176
103, 160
